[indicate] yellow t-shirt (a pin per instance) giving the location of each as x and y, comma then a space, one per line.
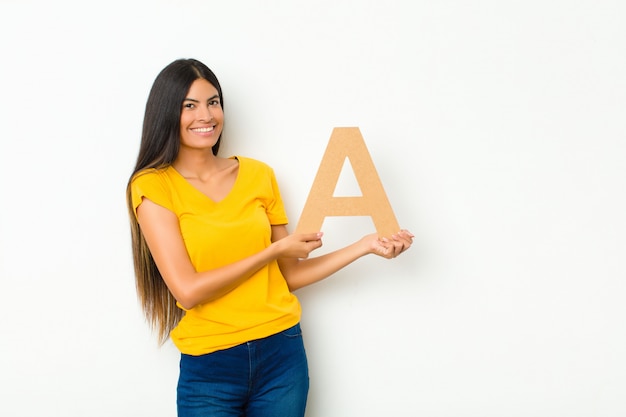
217, 234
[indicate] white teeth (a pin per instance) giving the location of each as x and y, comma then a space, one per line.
203, 129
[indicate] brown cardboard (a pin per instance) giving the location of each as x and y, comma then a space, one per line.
347, 142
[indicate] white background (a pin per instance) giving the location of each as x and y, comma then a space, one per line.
498, 129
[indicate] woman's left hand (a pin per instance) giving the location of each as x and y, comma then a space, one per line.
393, 246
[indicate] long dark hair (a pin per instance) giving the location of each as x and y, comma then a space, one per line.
160, 143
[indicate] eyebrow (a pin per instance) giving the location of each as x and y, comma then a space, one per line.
198, 101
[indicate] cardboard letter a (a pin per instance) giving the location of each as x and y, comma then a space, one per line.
347, 142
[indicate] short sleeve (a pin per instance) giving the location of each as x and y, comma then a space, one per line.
275, 208
152, 185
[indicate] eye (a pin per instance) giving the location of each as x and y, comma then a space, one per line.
189, 106
214, 102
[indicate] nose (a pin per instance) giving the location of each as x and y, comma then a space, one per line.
205, 114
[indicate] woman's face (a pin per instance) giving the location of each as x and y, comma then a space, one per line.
201, 118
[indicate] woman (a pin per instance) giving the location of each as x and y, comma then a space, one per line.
214, 263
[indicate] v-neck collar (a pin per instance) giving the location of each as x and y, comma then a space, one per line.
203, 195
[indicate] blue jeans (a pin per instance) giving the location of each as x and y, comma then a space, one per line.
263, 378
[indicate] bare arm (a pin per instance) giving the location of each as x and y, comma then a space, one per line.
302, 272
162, 233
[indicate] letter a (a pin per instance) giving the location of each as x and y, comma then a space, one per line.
347, 142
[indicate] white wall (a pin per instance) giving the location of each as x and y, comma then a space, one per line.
498, 131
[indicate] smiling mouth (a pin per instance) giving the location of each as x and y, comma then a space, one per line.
203, 129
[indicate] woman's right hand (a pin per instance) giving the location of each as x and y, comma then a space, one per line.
298, 245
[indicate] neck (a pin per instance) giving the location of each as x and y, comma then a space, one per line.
196, 163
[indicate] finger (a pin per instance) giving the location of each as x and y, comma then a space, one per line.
407, 233
382, 247
404, 235
401, 244
398, 247
389, 246
314, 244
406, 238
307, 237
